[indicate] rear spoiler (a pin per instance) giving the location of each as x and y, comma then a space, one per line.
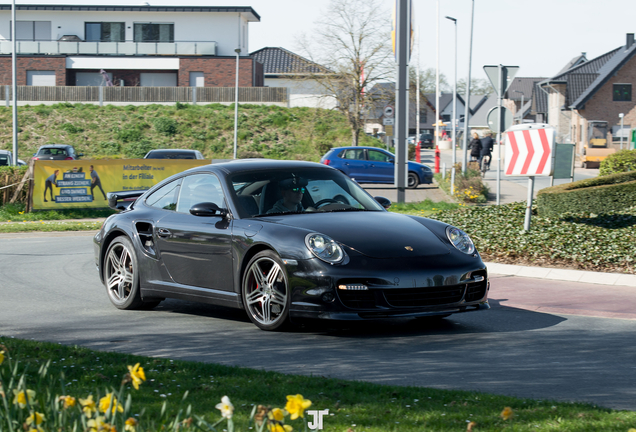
123, 199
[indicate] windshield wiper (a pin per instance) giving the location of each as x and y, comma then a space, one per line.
345, 210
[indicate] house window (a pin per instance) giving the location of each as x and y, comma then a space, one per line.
32, 30
623, 92
149, 32
105, 31
446, 118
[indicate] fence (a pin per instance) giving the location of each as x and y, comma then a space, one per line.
145, 94
10, 179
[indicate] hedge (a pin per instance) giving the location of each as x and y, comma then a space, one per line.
9, 176
596, 195
621, 161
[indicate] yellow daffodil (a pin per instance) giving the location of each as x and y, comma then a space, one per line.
21, 398
226, 407
277, 414
136, 375
130, 424
296, 406
68, 401
96, 424
631, 430
110, 401
35, 418
88, 406
35, 429
277, 427
506, 413
1, 357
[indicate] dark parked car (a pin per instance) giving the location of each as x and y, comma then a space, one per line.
283, 240
427, 140
173, 154
373, 165
6, 158
57, 152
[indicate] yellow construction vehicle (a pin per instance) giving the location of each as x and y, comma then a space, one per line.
596, 148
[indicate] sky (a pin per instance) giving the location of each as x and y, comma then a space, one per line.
540, 36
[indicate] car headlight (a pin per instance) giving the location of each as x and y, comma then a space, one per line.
324, 248
460, 240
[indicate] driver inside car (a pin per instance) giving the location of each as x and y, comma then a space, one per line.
292, 190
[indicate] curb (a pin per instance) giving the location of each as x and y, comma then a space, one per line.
582, 276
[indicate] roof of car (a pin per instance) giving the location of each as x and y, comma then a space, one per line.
173, 150
55, 146
241, 165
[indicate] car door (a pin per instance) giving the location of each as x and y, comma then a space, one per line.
195, 250
381, 167
354, 164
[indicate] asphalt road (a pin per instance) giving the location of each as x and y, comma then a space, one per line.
544, 340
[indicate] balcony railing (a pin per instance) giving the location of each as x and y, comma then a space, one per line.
109, 48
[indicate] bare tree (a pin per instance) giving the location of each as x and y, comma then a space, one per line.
353, 40
478, 87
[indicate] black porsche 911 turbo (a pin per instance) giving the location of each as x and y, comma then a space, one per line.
283, 240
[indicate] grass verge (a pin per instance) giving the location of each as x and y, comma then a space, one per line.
353, 406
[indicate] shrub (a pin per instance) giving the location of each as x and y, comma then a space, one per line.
469, 188
127, 135
138, 149
622, 161
596, 195
71, 128
108, 147
165, 126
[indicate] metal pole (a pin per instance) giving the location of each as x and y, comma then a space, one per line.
502, 86
454, 121
401, 98
466, 108
236, 100
14, 86
417, 96
621, 115
526, 222
437, 116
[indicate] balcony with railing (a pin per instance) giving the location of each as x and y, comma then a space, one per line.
127, 48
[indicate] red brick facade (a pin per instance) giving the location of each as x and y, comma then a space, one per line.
24, 64
217, 71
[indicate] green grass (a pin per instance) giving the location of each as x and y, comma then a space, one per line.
131, 131
356, 406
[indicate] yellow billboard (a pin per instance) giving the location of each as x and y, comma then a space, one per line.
84, 183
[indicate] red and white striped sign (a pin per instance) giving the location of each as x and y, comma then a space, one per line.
529, 150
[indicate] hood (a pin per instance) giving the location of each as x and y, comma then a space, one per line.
373, 233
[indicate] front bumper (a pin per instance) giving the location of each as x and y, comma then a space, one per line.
387, 288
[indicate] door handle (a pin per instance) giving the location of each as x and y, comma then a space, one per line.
162, 232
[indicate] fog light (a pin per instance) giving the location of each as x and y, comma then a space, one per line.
328, 297
353, 287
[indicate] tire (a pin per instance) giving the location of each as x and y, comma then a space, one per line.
121, 274
265, 291
413, 180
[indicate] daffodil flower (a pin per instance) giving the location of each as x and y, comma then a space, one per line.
35, 418
277, 427
130, 424
21, 398
296, 406
88, 406
1, 357
68, 401
277, 414
137, 375
226, 407
96, 424
110, 401
506, 413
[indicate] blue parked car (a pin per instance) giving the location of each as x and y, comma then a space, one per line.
373, 165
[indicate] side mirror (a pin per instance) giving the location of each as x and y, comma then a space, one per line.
391, 160
384, 202
208, 209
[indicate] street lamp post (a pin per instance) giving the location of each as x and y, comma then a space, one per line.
236, 99
454, 121
467, 107
14, 85
520, 107
621, 116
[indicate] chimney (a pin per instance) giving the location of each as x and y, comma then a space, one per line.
630, 41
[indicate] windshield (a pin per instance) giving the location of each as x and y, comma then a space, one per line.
276, 192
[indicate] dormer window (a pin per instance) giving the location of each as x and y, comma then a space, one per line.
105, 31
151, 32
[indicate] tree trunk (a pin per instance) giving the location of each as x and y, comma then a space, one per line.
355, 136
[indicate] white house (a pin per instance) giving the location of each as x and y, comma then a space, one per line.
136, 45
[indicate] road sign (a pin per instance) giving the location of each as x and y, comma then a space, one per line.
389, 112
529, 150
493, 119
507, 75
388, 121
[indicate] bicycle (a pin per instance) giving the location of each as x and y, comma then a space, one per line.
485, 165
